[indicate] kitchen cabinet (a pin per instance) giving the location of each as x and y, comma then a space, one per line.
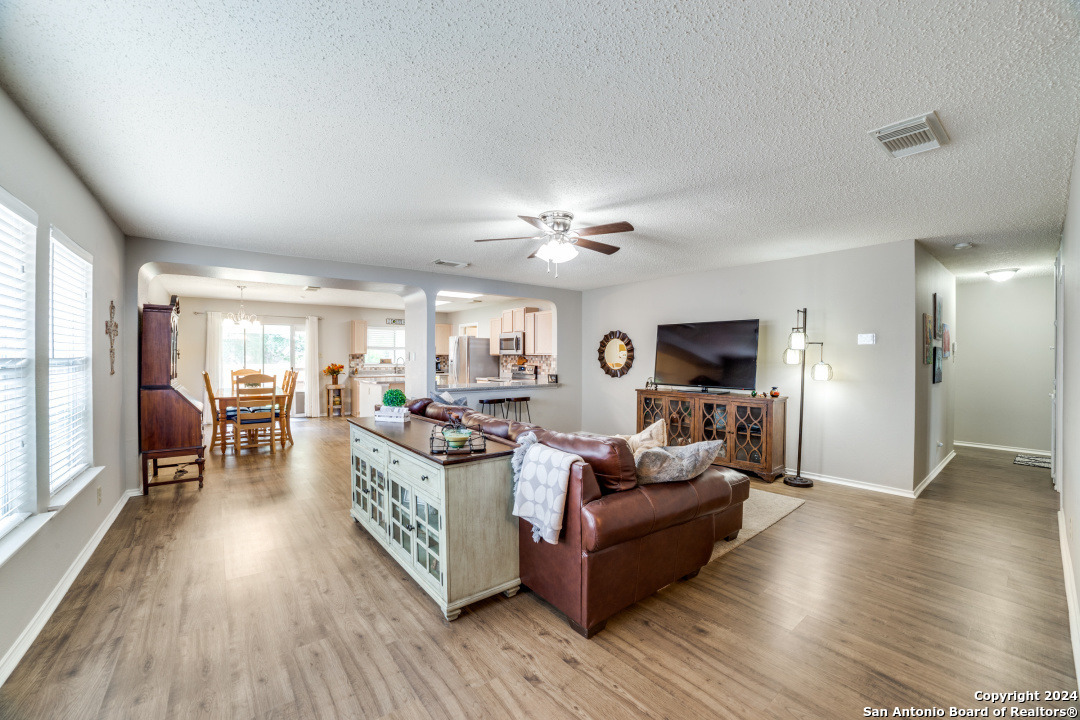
544, 327
496, 328
513, 320
539, 333
359, 338
442, 339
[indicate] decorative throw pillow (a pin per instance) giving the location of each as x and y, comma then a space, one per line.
671, 464
654, 436
451, 400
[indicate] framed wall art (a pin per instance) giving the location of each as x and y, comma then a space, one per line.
927, 339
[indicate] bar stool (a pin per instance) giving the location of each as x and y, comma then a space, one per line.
491, 406
516, 402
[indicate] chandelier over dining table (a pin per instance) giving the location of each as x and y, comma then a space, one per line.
243, 319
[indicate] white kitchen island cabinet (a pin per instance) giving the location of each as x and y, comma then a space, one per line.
445, 519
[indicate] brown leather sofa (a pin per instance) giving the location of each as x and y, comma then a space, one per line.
620, 542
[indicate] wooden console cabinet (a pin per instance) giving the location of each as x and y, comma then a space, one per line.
752, 428
445, 519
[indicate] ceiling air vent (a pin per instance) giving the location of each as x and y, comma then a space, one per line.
914, 135
451, 263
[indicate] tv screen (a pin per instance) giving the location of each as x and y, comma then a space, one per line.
712, 354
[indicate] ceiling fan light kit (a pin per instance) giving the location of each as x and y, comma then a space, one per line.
561, 243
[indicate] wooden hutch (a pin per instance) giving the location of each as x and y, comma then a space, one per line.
170, 419
752, 428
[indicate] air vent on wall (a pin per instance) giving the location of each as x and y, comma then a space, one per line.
914, 135
451, 263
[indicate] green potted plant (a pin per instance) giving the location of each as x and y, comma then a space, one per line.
393, 407
394, 398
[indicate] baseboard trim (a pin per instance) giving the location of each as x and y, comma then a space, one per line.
1002, 448
1070, 592
934, 473
855, 484
29, 634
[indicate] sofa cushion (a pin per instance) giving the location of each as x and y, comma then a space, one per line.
672, 464
610, 458
618, 517
416, 407
442, 412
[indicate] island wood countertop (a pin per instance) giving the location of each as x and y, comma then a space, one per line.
415, 436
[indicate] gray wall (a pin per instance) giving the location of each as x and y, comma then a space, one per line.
1068, 460
1004, 369
859, 427
34, 173
933, 402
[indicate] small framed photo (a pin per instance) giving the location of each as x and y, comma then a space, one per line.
937, 365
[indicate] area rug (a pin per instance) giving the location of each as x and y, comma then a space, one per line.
1038, 461
761, 510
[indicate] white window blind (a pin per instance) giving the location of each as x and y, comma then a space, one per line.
18, 238
70, 285
385, 343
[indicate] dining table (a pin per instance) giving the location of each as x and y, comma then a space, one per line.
224, 402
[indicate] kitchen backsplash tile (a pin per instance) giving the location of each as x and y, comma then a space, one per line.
545, 363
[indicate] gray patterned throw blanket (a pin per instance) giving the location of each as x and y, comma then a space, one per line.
541, 475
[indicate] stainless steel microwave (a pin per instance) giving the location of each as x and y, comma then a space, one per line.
512, 343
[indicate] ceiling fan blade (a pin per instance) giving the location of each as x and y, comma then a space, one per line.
597, 246
605, 229
513, 238
536, 223
533, 255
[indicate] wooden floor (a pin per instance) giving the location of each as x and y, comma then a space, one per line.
258, 597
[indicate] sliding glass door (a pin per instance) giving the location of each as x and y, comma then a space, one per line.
270, 348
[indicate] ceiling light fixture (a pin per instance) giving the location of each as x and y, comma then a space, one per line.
1003, 274
961, 246
557, 250
455, 294
242, 319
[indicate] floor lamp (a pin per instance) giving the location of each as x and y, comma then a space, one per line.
796, 355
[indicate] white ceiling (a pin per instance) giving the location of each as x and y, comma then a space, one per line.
204, 287
726, 132
226, 289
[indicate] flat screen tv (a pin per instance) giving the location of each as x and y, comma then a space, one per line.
720, 355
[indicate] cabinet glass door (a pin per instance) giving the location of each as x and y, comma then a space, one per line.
714, 421
377, 508
748, 438
361, 485
652, 409
680, 415
401, 526
429, 540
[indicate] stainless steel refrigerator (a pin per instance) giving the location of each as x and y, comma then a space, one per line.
470, 358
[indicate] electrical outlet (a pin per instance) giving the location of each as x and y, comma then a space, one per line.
99, 496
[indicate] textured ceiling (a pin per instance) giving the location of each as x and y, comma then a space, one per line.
726, 132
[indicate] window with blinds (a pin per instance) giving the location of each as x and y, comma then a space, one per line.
385, 344
18, 238
70, 285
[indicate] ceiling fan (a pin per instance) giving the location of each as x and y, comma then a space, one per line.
561, 242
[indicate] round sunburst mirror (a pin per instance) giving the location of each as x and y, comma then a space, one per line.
616, 354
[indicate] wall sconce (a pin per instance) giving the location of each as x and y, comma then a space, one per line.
795, 354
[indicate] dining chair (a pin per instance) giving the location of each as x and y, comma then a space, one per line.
220, 423
255, 412
237, 374
284, 416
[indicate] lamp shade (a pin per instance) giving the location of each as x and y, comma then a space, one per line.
792, 356
557, 252
797, 340
821, 371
